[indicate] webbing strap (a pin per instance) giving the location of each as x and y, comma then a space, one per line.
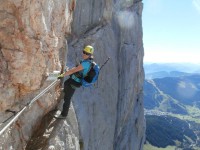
91, 65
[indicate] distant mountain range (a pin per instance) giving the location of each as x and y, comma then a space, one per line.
162, 74
154, 98
172, 93
168, 67
169, 92
170, 70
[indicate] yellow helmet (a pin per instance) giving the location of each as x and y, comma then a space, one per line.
89, 49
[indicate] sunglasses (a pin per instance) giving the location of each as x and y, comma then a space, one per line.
86, 53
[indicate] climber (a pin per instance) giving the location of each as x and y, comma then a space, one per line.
74, 81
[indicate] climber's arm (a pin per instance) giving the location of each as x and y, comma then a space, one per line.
74, 70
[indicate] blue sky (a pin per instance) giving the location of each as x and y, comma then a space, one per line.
171, 30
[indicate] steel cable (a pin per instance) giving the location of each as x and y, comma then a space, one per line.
28, 105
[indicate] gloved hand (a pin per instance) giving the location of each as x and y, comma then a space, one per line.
60, 76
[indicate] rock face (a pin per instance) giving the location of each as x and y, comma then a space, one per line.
30, 37
32, 32
110, 115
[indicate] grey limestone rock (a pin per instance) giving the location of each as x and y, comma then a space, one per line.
110, 115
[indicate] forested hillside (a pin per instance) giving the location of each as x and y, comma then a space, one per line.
172, 112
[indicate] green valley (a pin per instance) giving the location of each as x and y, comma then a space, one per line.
172, 110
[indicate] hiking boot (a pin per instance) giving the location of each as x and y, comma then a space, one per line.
60, 117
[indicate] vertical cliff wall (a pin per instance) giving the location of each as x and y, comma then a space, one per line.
111, 115
32, 34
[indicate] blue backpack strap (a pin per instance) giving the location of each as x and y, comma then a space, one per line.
90, 61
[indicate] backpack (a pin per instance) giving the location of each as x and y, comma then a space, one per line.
92, 75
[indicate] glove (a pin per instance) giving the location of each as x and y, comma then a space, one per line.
60, 76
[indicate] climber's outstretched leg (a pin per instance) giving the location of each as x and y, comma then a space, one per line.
69, 88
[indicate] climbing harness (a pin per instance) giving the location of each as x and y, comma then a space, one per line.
28, 105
